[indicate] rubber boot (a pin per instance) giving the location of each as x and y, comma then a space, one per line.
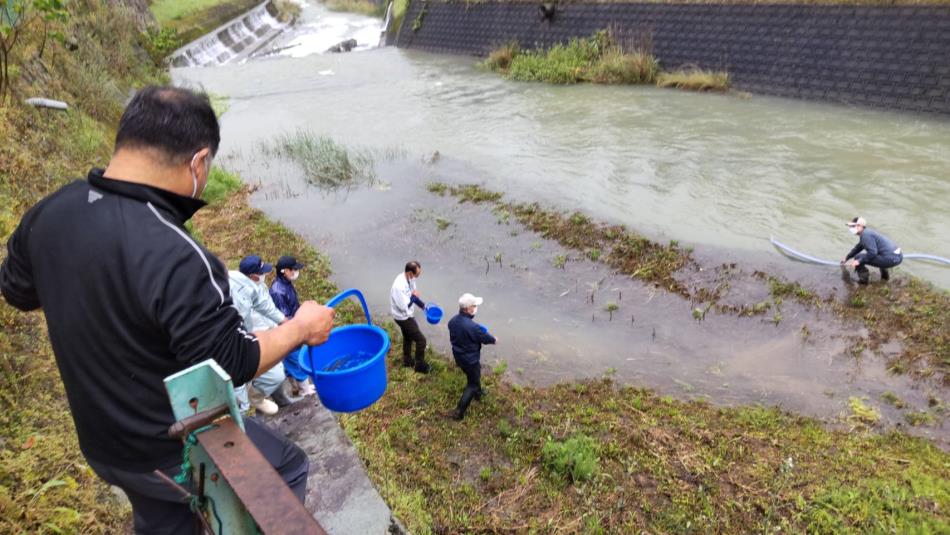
885, 274
280, 398
864, 275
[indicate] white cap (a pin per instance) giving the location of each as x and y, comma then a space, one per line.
858, 221
469, 300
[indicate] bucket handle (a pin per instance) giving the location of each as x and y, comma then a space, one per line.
346, 293
304, 349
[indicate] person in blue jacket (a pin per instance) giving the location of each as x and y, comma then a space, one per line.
467, 338
284, 294
879, 251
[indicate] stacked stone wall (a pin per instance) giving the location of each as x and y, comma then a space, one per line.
895, 57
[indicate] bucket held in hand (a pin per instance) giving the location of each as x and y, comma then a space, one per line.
349, 369
433, 313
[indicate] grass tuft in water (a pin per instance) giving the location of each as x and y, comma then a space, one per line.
694, 80
325, 162
499, 59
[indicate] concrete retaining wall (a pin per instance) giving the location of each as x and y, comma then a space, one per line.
892, 57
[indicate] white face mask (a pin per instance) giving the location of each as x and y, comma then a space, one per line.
293, 275
853, 230
474, 310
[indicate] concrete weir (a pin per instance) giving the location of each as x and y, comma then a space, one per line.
234, 41
339, 493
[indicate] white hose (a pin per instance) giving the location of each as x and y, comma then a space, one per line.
808, 258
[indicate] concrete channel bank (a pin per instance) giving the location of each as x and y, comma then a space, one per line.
893, 57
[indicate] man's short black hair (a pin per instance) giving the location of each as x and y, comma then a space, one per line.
175, 121
413, 267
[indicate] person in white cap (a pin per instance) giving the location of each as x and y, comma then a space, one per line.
878, 251
467, 338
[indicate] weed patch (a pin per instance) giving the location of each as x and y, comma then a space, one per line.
620, 248
598, 59
694, 80
325, 162
574, 459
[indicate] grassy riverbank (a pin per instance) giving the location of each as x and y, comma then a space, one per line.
190, 19
594, 458
45, 485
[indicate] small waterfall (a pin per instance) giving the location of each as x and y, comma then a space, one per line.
233, 41
387, 20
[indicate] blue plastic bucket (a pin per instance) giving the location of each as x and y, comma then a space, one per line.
349, 369
433, 313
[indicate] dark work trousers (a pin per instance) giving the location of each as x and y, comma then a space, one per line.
411, 334
159, 509
882, 261
473, 386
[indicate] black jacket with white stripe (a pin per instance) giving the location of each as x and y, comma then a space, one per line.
129, 298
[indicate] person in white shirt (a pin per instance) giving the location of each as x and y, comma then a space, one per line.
250, 296
402, 296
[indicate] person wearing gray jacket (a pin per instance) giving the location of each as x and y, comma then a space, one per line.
252, 299
878, 251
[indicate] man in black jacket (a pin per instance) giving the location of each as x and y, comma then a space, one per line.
467, 338
131, 298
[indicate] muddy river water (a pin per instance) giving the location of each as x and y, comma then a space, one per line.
718, 172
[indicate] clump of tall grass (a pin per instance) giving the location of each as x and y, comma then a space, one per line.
325, 162
598, 58
618, 67
574, 459
694, 79
499, 59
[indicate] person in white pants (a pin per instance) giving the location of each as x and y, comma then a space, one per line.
252, 299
